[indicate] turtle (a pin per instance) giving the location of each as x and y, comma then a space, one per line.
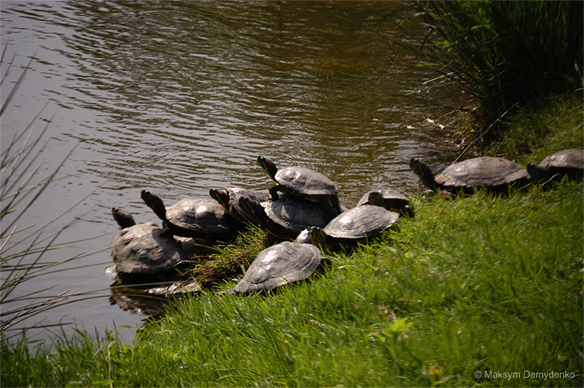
142, 251
229, 199
302, 182
388, 198
280, 264
493, 173
569, 162
200, 217
353, 226
286, 217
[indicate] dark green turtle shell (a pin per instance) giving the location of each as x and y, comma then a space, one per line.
283, 263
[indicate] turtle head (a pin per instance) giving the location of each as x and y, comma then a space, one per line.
124, 219
376, 198
221, 196
304, 237
318, 236
423, 171
268, 166
537, 173
155, 203
254, 211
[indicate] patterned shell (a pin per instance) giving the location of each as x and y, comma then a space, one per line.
142, 249
485, 171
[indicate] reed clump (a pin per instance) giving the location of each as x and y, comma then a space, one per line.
502, 54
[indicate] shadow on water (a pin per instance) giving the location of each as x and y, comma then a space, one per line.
179, 97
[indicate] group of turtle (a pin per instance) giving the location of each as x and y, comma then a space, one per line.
302, 206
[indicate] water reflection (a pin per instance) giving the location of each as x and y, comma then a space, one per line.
179, 97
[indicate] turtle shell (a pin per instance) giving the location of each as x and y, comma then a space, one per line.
284, 263
568, 159
144, 249
305, 181
294, 214
361, 222
392, 199
202, 216
568, 162
485, 171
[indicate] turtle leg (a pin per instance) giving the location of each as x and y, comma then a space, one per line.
274, 192
336, 204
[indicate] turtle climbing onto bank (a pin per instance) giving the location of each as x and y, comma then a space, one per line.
280, 264
142, 251
568, 163
492, 173
199, 218
286, 217
303, 183
229, 199
388, 198
354, 226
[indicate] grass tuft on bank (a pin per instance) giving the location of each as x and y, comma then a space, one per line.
474, 285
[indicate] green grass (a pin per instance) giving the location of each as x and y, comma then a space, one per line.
481, 283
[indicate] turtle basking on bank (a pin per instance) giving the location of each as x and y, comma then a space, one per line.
354, 226
303, 183
142, 251
388, 198
286, 217
568, 163
200, 218
278, 265
492, 173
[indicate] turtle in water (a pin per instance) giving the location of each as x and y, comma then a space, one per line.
388, 198
200, 218
280, 264
495, 174
229, 199
569, 163
286, 217
142, 251
354, 226
302, 182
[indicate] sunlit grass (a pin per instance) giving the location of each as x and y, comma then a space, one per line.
475, 284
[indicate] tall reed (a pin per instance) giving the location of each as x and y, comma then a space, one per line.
502, 53
23, 249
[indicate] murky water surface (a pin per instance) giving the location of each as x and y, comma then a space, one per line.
179, 97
